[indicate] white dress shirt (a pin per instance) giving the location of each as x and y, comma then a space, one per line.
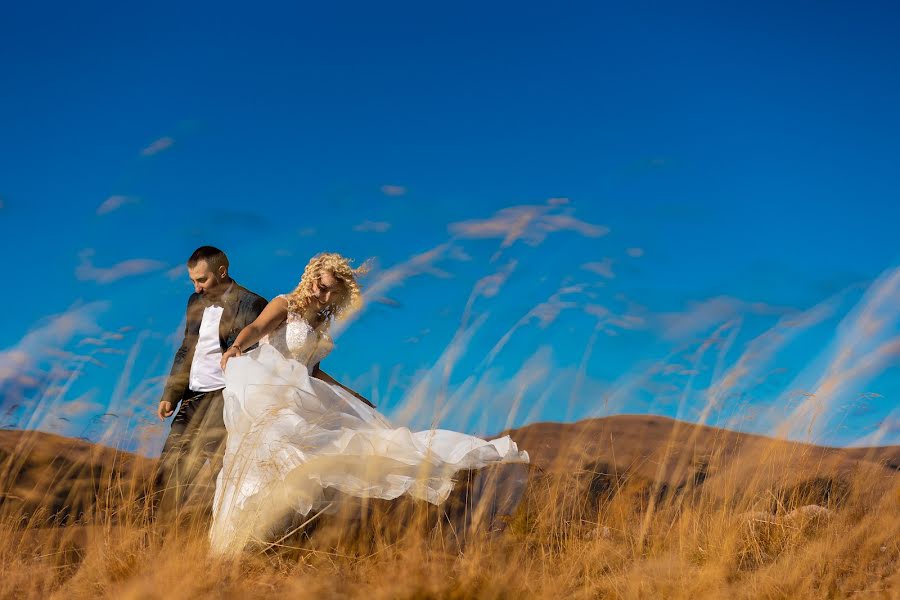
206, 369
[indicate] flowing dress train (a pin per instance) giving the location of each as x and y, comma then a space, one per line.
292, 438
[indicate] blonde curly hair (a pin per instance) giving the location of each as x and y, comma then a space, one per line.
339, 266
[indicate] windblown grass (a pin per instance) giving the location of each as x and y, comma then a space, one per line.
700, 527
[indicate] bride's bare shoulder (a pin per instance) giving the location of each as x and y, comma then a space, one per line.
273, 314
283, 302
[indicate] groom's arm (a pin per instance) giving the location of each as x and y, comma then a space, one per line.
177, 381
322, 375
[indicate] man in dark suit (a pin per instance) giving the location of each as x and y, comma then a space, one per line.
217, 311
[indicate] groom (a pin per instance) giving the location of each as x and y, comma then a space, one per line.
217, 311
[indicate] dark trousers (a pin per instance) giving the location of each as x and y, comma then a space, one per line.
197, 435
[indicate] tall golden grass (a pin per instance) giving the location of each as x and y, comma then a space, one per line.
633, 511
75, 522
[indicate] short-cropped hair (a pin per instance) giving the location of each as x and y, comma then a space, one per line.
212, 255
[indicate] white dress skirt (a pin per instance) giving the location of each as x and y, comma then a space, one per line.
291, 437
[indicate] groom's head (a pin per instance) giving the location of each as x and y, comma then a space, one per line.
208, 270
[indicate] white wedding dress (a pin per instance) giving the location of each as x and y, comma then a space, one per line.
293, 438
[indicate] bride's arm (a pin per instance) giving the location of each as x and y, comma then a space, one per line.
320, 374
268, 320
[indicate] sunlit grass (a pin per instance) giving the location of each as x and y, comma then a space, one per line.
84, 529
646, 508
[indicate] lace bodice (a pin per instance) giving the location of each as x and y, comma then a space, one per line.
296, 339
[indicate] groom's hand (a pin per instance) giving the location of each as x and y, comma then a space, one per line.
165, 410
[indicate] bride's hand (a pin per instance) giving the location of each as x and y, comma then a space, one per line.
230, 353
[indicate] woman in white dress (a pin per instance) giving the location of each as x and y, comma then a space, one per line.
294, 432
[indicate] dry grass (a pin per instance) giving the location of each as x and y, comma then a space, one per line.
703, 526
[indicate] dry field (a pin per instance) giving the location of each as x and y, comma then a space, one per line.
621, 507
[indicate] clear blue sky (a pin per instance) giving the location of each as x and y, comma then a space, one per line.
702, 198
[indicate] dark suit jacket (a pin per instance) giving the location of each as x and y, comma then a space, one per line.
241, 307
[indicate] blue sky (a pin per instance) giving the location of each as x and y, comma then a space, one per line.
686, 210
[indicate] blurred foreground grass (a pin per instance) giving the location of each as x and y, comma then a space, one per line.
673, 520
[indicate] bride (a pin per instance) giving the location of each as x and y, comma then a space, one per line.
295, 435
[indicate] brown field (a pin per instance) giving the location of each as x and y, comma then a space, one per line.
621, 507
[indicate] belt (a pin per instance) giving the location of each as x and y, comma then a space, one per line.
193, 395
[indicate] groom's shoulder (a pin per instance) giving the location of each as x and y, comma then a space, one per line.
250, 296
